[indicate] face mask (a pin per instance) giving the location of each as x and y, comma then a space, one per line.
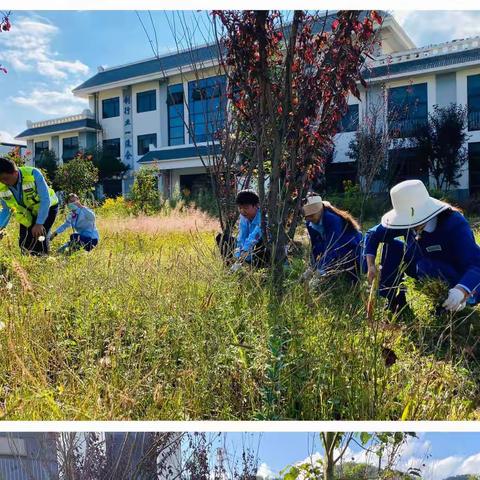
72, 207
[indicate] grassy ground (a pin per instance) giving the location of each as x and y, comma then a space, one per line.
151, 326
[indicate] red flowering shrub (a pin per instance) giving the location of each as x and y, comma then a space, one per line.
4, 27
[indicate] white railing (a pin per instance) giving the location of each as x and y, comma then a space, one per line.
426, 52
56, 121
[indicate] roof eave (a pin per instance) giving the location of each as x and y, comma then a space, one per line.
426, 71
56, 132
390, 22
161, 75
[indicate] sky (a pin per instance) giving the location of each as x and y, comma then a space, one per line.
442, 454
48, 53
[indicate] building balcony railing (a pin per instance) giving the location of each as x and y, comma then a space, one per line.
405, 128
426, 52
474, 120
55, 121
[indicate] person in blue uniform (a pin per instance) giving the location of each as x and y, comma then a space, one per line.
437, 243
250, 245
82, 221
336, 241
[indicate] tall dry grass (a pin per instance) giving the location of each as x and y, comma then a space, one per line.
151, 325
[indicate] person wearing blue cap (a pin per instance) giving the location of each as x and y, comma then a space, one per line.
438, 243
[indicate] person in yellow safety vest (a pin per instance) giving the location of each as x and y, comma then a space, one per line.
25, 195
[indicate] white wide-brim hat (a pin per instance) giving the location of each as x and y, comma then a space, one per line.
412, 206
313, 205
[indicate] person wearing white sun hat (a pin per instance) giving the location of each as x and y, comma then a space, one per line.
439, 243
335, 238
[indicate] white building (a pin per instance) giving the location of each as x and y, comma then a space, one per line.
27, 455
8, 146
140, 110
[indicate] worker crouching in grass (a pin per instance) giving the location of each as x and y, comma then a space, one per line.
438, 243
25, 195
82, 220
249, 246
336, 242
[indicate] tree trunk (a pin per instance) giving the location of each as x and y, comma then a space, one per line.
329, 439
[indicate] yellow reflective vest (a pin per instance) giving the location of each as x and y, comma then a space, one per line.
30, 197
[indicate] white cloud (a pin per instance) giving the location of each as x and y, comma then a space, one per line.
265, 472
7, 137
28, 47
427, 27
470, 465
416, 453
51, 102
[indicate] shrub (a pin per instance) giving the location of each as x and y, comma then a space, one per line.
48, 164
205, 200
145, 195
359, 204
15, 155
115, 207
79, 176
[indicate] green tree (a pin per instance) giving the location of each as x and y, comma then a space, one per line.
442, 142
145, 194
385, 446
78, 176
16, 156
48, 163
107, 163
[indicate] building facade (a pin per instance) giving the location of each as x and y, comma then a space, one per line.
165, 111
7, 147
27, 456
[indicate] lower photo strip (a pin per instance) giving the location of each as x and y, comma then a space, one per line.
208, 455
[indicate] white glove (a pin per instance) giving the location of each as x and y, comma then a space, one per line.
306, 275
455, 300
316, 280
235, 267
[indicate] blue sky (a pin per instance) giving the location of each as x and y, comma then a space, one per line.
49, 53
444, 454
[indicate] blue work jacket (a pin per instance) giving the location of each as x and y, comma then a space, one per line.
334, 241
452, 242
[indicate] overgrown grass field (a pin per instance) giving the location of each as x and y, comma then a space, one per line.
151, 325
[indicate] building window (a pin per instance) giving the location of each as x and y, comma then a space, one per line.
112, 147
407, 164
349, 122
473, 93
474, 167
40, 148
407, 109
146, 101
336, 173
70, 148
176, 126
206, 103
111, 107
143, 142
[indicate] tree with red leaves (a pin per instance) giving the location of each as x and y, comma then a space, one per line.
4, 27
288, 84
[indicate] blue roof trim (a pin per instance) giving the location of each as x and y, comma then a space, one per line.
156, 65
60, 127
182, 59
176, 153
436, 61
